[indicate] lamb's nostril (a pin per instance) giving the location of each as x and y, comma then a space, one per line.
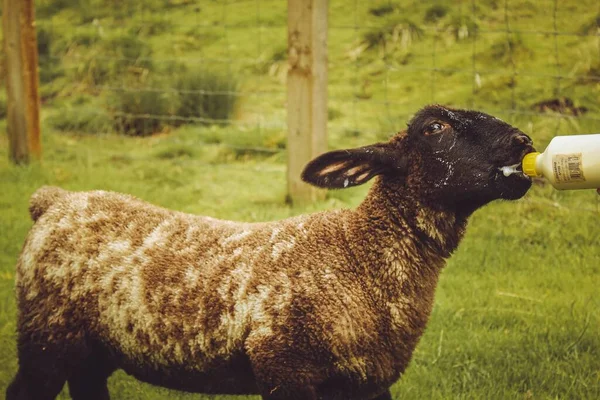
522, 139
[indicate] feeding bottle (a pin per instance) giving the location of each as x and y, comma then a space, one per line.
569, 162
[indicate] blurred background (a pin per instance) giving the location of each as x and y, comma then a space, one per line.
184, 103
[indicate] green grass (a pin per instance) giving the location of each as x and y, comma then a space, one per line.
517, 309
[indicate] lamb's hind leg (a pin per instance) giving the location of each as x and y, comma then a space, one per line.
30, 385
40, 374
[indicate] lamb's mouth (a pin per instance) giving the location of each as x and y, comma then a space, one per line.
514, 169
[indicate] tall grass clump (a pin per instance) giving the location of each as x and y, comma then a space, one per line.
84, 118
175, 97
398, 31
436, 12
142, 111
462, 26
206, 95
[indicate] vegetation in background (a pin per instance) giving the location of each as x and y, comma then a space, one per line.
436, 12
516, 311
142, 112
49, 65
400, 30
107, 48
2, 104
117, 68
117, 59
85, 118
206, 94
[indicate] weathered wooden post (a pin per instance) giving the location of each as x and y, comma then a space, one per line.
306, 92
21, 65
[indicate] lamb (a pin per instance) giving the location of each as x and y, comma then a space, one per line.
322, 306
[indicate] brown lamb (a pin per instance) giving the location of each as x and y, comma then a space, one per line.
323, 306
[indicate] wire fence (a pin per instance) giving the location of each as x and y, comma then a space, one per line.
493, 52
386, 60
152, 66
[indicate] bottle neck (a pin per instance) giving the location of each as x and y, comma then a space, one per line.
531, 165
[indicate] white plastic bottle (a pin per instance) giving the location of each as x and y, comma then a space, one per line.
569, 162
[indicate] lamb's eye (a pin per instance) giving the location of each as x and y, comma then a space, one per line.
435, 128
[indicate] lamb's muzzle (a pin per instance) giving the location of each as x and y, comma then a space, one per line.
327, 305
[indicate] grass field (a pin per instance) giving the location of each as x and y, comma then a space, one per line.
517, 312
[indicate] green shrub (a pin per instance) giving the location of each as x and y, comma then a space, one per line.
178, 96
142, 112
81, 119
206, 94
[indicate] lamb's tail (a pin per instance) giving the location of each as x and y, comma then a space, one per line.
42, 199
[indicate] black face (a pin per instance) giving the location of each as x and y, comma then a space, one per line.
459, 155
451, 158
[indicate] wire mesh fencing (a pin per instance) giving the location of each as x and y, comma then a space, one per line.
143, 68
535, 64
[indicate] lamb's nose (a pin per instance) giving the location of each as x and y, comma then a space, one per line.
522, 138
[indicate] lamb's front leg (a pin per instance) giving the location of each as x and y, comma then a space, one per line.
281, 373
281, 378
289, 393
284, 375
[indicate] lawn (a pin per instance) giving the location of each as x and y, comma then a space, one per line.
517, 311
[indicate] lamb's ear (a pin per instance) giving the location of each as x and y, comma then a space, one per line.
344, 168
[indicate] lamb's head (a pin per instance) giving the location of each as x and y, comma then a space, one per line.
446, 156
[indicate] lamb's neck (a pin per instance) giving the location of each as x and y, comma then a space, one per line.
393, 224
400, 246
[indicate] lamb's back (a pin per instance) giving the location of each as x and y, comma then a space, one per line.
161, 286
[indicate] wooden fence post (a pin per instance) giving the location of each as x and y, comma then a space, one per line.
306, 92
21, 68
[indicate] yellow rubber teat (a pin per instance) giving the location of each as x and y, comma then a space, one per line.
529, 164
